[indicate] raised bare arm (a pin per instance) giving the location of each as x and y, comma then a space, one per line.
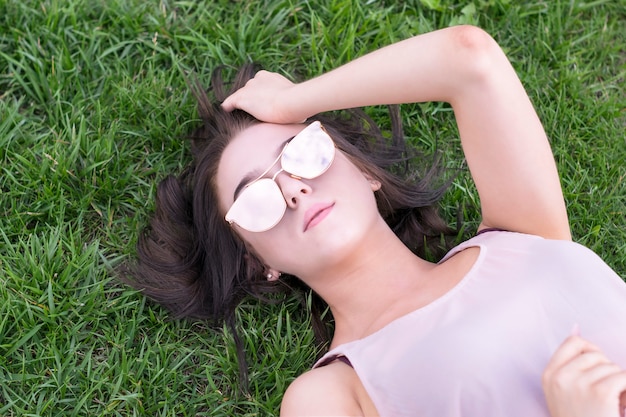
504, 142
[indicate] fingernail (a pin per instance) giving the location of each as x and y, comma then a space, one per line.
575, 330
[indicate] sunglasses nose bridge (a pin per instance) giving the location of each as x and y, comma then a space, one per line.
277, 172
294, 176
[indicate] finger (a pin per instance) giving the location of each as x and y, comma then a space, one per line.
614, 386
581, 371
233, 101
598, 373
229, 104
587, 360
571, 348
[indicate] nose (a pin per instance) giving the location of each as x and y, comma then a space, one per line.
293, 188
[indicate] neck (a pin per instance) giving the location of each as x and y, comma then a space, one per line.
363, 289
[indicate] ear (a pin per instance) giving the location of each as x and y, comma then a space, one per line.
272, 274
374, 184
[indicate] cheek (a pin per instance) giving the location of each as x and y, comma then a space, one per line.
343, 173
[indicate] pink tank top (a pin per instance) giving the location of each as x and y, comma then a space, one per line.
480, 349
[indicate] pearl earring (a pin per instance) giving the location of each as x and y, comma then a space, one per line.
271, 276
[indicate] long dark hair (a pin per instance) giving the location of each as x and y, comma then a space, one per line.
190, 261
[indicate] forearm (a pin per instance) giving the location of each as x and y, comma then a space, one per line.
437, 66
454, 65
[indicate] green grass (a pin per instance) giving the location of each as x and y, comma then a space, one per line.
92, 105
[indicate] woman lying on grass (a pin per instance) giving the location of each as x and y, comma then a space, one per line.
278, 190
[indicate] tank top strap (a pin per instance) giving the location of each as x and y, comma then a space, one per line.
330, 358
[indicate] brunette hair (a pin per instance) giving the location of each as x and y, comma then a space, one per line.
191, 261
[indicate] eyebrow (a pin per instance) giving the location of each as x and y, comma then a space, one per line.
254, 174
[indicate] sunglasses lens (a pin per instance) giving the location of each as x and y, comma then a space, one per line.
310, 152
259, 207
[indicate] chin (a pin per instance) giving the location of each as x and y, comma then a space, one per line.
344, 242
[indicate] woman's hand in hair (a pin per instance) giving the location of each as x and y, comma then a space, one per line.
266, 97
580, 381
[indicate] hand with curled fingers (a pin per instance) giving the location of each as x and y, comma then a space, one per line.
580, 381
266, 97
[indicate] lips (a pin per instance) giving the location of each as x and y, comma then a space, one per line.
315, 214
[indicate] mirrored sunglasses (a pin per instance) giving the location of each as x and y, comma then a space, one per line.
261, 204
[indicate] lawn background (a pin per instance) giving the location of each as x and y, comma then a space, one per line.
93, 104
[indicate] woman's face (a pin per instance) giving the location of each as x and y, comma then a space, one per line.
326, 217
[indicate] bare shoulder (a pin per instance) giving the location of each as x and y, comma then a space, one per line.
332, 390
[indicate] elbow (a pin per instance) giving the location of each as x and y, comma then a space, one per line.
476, 51
472, 38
